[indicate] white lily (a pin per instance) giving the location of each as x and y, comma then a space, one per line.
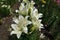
35, 18
20, 26
30, 5
37, 24
22, 22
34, 13
22, 9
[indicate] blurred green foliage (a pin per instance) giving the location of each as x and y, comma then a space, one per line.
51, 18
4, 12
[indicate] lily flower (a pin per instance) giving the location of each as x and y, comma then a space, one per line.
35, 19
37, 24
23, 9
20, 26
34, 13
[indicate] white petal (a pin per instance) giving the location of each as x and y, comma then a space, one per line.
15, 20
26, 17
25, 30
21, 7
4, 6
8, 6
20, 17
35, 11
19, 34
40, 28
40, 15
13, 32
14, 26
32, 2
29, 22
41, 25
43, 5
25, 0
42, 36
40, 20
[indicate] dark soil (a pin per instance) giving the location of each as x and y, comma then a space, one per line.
4, 26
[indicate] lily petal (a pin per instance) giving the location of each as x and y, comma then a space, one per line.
26, 17
21, 7
14, 26
40, 15
19, 34
25, 0
20, 17
25, 30
42, 35
40, 20
15, 20
32, 2
40, 28
29, 22
41, 24
13, 32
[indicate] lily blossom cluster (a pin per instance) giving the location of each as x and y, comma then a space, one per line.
20, 26
26, 10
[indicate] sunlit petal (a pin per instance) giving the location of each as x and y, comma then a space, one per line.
19, 34
40, 15
25, 30
13, 32
26, 17
20, 17
42, 35
14, 26
29, 22
15, 20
